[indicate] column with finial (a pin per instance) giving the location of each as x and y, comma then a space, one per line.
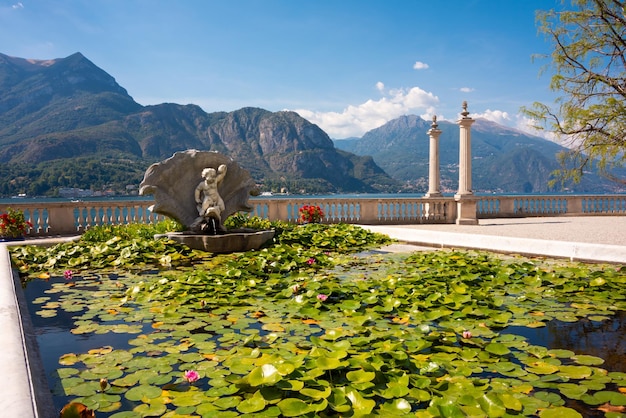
466, 202
433, 161
465, 152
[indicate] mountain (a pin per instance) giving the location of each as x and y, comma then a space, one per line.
503, 159
56, 111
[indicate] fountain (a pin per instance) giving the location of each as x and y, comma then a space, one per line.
201, 189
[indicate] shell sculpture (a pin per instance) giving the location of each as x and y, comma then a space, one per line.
173, 183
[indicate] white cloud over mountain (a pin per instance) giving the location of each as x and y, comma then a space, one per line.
355, 120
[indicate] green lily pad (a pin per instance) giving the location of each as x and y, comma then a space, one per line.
497, 349
293, 407
560, 412
143, 392
255, 403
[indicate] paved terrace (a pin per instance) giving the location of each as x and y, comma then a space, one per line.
588, 238
584, 238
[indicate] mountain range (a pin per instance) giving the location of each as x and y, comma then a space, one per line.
67, 123
69, 108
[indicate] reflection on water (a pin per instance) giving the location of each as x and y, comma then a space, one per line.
605, 339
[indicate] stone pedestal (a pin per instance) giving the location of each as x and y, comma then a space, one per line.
232, 241
466, 210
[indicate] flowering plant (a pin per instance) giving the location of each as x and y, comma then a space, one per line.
13, 224
191, 376
311, 214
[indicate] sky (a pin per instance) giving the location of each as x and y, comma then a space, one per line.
348, 66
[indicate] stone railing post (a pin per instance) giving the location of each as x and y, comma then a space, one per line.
61, 219
575, 205
369, 211
433, 160
276, 210
466, 202
507, 206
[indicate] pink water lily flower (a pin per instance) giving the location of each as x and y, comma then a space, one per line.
322, 297
310, 261
68, 274
467, 334
191, 376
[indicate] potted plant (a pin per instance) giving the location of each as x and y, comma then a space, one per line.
311, 214
13, 225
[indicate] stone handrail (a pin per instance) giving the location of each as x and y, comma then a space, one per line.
65, 218
550, 205
362, 210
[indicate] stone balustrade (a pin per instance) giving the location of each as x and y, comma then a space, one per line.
66, 218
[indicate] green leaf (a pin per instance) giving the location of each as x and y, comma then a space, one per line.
598, 281
265, 375
559, 412
143, 391
360, 376
492, 405
571, 390
510, 401
253, 404
360, 405
150, 410
498, 349
316, 394
614, 398
575, 372
542, 367
293, 407
396, 407
588, 360
328, 363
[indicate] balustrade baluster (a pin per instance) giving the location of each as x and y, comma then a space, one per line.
83, 216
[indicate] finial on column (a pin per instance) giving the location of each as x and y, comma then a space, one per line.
434, 124
464, 113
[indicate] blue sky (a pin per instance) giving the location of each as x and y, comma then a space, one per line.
347, 65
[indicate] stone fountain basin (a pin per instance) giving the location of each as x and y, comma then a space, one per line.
236, 240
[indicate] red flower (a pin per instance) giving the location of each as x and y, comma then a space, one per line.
13, 223
311, 214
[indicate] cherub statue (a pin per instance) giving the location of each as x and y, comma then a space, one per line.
208, 200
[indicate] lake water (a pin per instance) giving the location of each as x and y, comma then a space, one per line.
40, 199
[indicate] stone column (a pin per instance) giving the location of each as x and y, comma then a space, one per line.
465, 153
466, 203
433, 161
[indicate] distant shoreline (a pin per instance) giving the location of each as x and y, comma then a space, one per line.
42, 199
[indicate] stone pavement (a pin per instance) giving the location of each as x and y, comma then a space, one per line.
584, 238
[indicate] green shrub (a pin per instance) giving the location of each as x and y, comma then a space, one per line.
104, 233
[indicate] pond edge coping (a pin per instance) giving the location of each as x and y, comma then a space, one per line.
24, 384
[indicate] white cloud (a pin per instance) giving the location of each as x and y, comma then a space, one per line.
18, 5
519, 122
420, 65
355, 120
380, 86
497, 116
527, 125
466, 89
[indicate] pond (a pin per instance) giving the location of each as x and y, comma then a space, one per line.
439, 333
